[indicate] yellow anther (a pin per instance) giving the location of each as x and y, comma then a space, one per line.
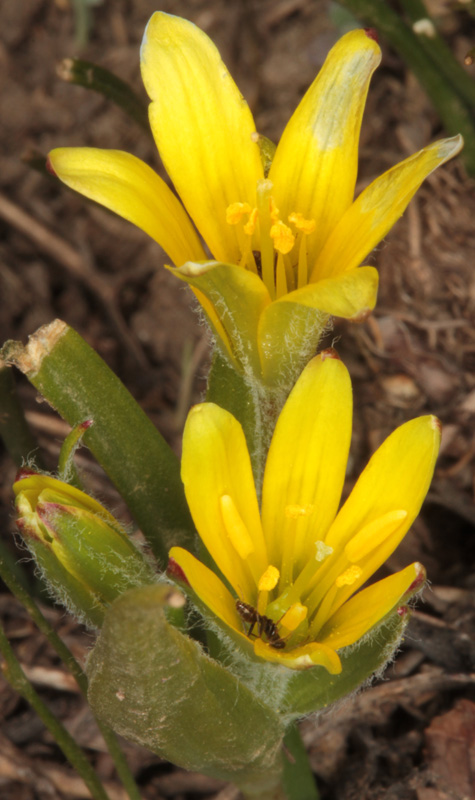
273, 210
305, 225
374, 534
283, 237
295, 511
250, 225
349, 576
235, 527
236, 211
269, 579
294, 616
322, 551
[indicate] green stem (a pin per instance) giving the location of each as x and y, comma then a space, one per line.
456, 114
91, 76
80, 386
12, 582
14, 429
17, 679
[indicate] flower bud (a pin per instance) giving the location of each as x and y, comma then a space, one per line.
84, 554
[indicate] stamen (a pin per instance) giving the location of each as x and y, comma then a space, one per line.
234, 215
310, 570
264, 202
349, 576
280, 278
322, 551
273, 210
374, 534
269, 579
236, 211
235, 527
283, 237
294, 616
250, 225
267, 582
305, 227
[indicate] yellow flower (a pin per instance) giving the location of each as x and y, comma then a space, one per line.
286, 246
298, 561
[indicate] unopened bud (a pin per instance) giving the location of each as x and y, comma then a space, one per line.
84, 554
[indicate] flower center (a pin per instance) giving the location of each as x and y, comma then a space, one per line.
282, 248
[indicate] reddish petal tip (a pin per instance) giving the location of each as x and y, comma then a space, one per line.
418, 581
372, 33
49, 167
330, 352
175, 572
25, 472
88, 423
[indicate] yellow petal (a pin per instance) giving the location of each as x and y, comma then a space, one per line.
315, 164
126, 185
366, 609
397, 477
310, 655
376, 210
238, 298
306, 465
216, 463
351, 295
202, 127
305, 312
207, 586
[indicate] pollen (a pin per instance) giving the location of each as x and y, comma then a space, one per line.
236, 211
306, 226
295, 511
283, 237
250, 225
269, 579
294, 616
273, 210
322, 551
349, 576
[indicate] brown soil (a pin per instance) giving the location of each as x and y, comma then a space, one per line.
412, 736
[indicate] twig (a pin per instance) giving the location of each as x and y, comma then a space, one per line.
71, 261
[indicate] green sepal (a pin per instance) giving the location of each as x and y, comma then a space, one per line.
101, 557
77, 598
315, 689
85, 556
157, 687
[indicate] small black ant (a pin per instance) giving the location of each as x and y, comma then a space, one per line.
265, 626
